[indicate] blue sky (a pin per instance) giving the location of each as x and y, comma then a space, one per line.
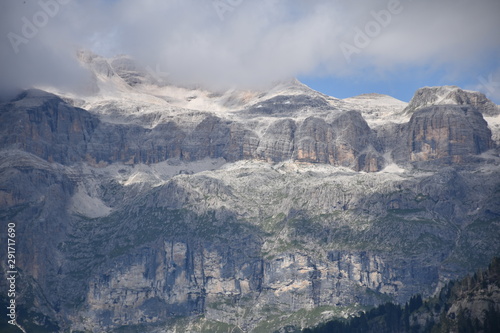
341, 48
403, 84
482, 75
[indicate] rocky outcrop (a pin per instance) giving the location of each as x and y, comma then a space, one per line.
452, 95
48, 127
171, 279
279, 106
447, 132
315, 142
42, 124
126, 68
217, 138
345, 141
98, 65
45, 125
277, 143
440, 134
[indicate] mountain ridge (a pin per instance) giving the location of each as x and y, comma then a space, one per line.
137, 206
451, 95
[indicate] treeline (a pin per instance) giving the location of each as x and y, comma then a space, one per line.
469, 305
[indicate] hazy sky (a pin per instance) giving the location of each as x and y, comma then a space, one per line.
342, 48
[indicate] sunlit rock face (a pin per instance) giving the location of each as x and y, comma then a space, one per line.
447, 132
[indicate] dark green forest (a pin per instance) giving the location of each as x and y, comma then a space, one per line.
455, 309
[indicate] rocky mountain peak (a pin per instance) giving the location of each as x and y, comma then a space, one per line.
378, 109
162, 202
454, 95
369, 96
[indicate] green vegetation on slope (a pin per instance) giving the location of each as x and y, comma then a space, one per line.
451, 311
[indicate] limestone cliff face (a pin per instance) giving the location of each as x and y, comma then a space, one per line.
134, 220
214, 137
45, 126
447, 132
232, 246
346, 141
182, 279
278, 141
53, 130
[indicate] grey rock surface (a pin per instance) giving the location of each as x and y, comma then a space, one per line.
451, 95
292, 212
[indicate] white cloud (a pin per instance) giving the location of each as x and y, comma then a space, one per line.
255, 42
488, 84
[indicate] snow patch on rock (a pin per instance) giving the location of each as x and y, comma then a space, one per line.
83, 204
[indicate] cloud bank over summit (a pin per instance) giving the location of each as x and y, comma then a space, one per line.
247, 43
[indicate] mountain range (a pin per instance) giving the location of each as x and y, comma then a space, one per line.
141, 206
